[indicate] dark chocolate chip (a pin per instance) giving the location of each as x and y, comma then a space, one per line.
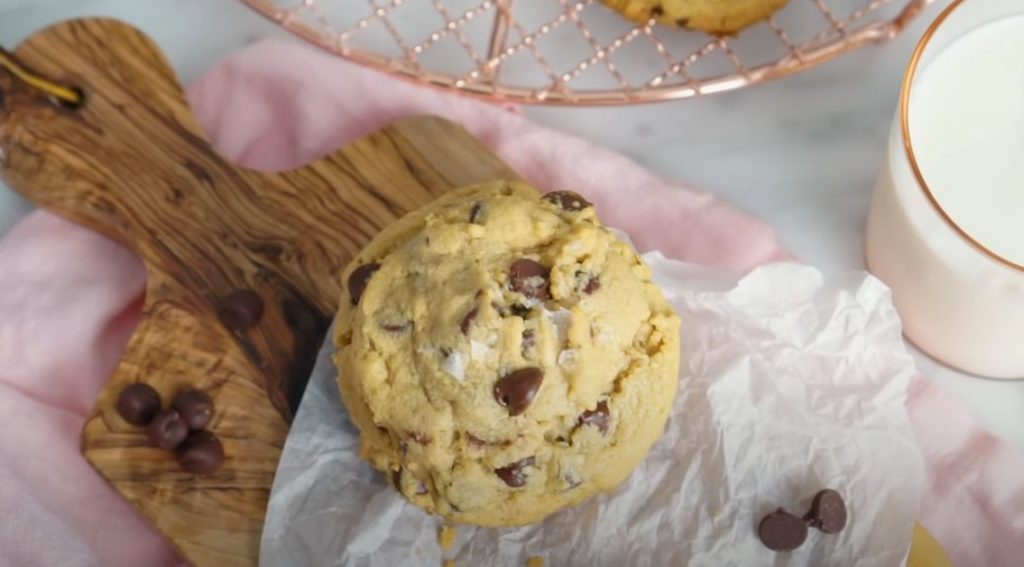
240, 310
598, 417
520, 310
782, 531
396, 479
201, 453
359, 279
567, 200
657, 11
514, 475
529, 340
396, 327
517, 390
168, 429
467, 321
828, 512
593, 284
195, 407
138, 403
476, 212
529, 278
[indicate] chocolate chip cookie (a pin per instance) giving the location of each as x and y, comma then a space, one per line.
720, 17
504, 355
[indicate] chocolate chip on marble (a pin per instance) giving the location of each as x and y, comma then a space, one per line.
201, 453
514, 474
567, 200
530, 278
467, 321
138, 404
359, 279
828, 512
168, 429
240, 310
598, 417
517, 389
529, 341
195, 407
782, 531
476, 213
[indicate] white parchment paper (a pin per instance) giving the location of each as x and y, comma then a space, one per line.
790, 383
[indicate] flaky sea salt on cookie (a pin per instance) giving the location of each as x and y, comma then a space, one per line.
504, 355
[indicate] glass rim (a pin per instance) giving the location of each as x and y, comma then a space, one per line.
908, 82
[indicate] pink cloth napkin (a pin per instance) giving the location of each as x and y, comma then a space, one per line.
71, 298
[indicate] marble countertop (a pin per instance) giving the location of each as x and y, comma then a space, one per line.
802, 152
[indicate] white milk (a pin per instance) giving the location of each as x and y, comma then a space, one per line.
967, 130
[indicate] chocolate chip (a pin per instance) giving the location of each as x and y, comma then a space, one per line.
467, 321
529, 278
517, 390
138, 403
782, 531
520, 310
683, 22
567, 200
593, 284
598, 417
168, 429
828, 512
476, 212
201, 453
529, 340
195, 407
359, 279
514, 475
240, 310
396, 479
657, 11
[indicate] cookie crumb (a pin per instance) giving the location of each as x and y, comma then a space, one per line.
447, 537
535, 561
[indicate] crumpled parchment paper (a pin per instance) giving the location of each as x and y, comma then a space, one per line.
790, 383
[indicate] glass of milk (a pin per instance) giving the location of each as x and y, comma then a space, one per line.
946, 227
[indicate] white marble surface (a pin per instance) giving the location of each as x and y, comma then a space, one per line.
801, 153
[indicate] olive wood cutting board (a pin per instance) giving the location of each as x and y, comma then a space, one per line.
132, 163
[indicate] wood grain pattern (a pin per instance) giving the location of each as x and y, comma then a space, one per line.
133, 164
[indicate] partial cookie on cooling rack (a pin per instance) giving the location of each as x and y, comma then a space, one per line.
720, 17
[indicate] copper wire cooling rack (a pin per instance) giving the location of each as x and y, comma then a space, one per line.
580, 52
